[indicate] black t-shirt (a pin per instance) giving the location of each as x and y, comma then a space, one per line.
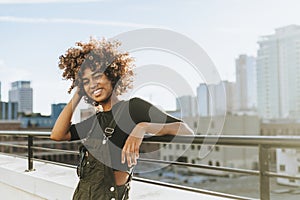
129, 113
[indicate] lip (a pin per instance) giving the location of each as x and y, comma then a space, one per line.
97, 92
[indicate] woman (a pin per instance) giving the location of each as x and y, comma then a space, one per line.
111, 138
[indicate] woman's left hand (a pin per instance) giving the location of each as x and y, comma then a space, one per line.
130, 151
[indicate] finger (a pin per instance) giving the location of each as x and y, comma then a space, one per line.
123, 154
133, 155
128, 156
137, 151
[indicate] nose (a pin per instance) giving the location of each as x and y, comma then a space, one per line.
94, 83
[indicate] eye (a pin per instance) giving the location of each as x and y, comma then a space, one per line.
86, 82
98, 75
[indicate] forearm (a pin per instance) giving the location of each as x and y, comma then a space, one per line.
131, 148
175, 128
61, 127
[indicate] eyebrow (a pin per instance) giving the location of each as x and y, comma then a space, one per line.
93, 73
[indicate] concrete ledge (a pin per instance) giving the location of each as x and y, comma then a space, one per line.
50, 181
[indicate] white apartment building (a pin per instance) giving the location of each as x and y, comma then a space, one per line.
278, 74
287, 160
225, 156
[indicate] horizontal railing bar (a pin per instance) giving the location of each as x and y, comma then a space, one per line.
232, 140
39, 148
186, 188
57, 150
273, 174
13, 145
25, 133
46, 137
42, 142
243, 171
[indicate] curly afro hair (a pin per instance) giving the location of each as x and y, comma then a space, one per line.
100, 55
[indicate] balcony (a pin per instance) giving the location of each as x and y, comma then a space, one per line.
29, 178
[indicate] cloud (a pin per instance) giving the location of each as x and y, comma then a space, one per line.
45, 1
74, 21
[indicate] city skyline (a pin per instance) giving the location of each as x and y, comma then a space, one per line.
223, 29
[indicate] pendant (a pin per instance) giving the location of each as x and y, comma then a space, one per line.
104, 140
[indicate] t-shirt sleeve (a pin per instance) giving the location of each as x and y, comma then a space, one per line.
143, 111
79, 130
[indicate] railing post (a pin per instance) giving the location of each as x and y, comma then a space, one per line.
30, 153
263, 167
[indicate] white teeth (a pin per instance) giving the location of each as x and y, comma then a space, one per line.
97, 92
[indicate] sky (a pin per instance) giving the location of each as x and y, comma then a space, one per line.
34, 33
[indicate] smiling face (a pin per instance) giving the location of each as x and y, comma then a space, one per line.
97, 86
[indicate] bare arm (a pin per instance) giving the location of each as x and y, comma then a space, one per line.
132, 145
61, 127
175, 128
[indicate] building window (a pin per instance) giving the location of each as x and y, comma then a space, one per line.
177, 146
210, 163
171, 158
217, 164
183, 146
292, 180
170, 146
182, 159
193, 147
298, 169
282, 167
165, 157
193, 161
217, 148
199, 147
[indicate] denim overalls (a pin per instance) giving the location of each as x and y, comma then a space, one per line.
97, 180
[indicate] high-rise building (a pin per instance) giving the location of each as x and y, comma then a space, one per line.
278, 74
216, 99
187, 106
21, 92
246, 88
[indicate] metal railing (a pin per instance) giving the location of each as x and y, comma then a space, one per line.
264, 143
